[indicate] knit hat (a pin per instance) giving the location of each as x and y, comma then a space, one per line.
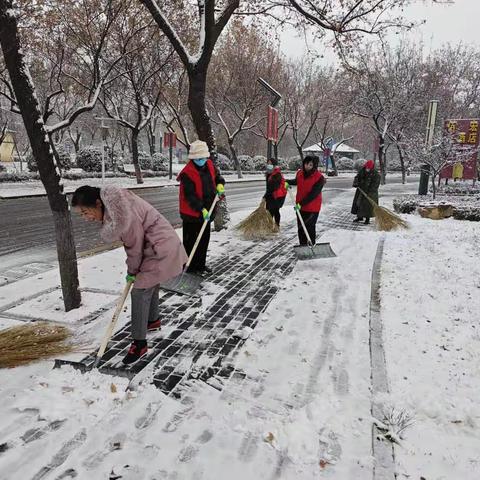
369, 165
273, 161
198, 149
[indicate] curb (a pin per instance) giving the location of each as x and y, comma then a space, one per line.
382, 450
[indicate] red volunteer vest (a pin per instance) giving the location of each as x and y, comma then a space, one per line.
193, 174
281, 191
304, 186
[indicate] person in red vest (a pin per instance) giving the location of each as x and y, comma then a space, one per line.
309, 182
276, 191
200, 181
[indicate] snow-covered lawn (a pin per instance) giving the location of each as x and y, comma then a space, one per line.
430, 308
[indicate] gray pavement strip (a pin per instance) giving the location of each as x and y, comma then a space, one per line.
383, 450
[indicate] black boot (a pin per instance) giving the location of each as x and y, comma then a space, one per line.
137, 349
358, 219
367, 221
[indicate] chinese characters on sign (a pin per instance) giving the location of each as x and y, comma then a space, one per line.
465, 136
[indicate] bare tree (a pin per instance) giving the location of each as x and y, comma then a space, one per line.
133, 99
72, 66
26, 99
211, 23
386, 88
443, 152
236, 97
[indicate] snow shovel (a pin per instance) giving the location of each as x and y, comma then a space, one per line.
310, 252
108, 333
189, 283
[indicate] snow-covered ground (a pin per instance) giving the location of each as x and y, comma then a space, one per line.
302, 408
430, 297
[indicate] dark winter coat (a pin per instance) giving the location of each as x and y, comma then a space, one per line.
273, 183
209, 191
369, 182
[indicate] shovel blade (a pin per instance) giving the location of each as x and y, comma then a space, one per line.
76, 365
184, 284
319, 250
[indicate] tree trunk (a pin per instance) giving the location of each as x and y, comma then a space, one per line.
198, 109
334, 165
233, 151
38, 137
152, 139
299, 150
138, 171
76, 142
434, 187
56, 156
402, 165
203, 126
381, 160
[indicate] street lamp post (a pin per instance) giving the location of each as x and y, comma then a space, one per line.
272, 111
425, 169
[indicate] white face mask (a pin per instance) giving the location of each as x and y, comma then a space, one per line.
269, 168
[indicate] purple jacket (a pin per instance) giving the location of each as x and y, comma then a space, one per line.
154, 250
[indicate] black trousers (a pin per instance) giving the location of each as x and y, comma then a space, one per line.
275, 213
274, 206
190, 234
310, 220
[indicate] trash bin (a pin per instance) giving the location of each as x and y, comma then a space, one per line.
424, 175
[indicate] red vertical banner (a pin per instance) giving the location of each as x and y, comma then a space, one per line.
169, 139
465, 137
272, 124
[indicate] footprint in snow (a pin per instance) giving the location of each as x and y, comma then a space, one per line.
70, 473
114, 443
248, 447
191, 451
39, 432
149, 416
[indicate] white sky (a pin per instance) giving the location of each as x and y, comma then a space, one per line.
444, 23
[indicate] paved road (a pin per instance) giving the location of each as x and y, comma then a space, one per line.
27, 233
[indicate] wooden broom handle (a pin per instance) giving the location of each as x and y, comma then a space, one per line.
299, 216
204, 226
113, 322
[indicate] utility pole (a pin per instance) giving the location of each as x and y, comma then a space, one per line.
425, 169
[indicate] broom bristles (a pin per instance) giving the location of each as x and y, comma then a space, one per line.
259, 225
385, 219
31, 342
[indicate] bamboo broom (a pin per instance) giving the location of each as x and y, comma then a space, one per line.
31, 342
385, 220
259, 225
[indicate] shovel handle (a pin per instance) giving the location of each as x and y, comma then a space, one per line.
204, 226
113, 322
299, 216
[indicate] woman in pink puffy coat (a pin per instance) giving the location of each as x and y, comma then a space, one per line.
154, 251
